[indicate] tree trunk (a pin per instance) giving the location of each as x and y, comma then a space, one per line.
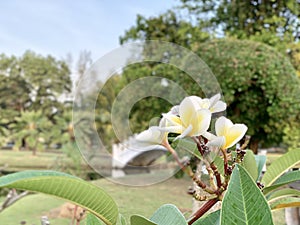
254, 145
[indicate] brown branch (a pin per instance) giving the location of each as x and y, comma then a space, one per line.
225, 162
198, 145
11, 198
203, 210
216, 173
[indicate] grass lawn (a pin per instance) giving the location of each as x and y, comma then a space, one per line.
30, 209
20, 160
131, 200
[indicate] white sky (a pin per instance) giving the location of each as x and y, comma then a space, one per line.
58, 27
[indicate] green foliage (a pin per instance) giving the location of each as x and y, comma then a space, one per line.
250, 165
244, 19
168, 26
292, 135
140, 220
279, 166
285, 203
70, 188
241, 206
260, 86
260, 161
209, 219
274, 23
168, 215
31, 84
283, 193
287, 178
32, 128
91, 219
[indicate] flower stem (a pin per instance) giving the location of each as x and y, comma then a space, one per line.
225, 162
203, 210
176, 157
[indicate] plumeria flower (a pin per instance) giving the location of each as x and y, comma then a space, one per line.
151, 138
228, 134
213, 104
192, 120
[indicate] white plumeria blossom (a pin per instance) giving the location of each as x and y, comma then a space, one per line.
213, 104
192, 120
228, 134
151, 138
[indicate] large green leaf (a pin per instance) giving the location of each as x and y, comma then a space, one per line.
91, 219
284, 179
243, 202
250, 165
285, 203
260, 161
67, 187
280, 165
283, 193
209, 219
168, 215
140, 220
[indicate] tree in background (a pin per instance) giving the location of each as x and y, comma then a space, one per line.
33, 89
248, 73
31, 131
275, 23
260, 87
168, 26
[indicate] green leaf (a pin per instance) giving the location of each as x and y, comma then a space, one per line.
73, 189
91, 219
168, 215
285, 203
189, 146
287, 178
140, 220
260, 162
122, 220
243, 202
250, 165
209, 219
280, 165
283, 193
219, 163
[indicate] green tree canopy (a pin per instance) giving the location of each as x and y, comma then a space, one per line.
31, 83
260, 86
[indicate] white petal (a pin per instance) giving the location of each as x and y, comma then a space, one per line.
172, 129
185, 132
174, 110
201, 122
214, 99
209, 136
153, 135
235, 134
216, 142
172, 120
144, 136
222, 125
218, 107
187, 109
205, 104
196, 100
